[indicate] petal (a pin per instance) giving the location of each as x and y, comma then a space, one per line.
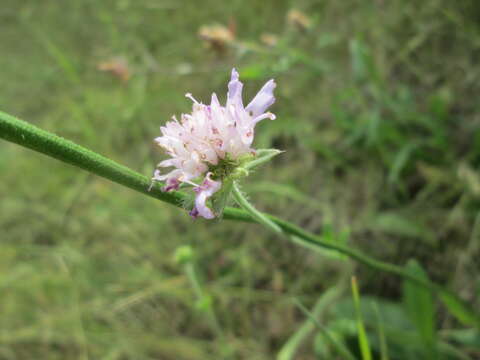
201, 208
171, 184
167, 163
158, 177
215, 102
262, 100
267, 115
171, 179
194, 213
234, 96
204, 192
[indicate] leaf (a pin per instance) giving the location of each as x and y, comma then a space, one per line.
335, 342
465, 337
381, 334
256, 71
287, 191
363, 66
460, 311
400, 162
289, 349
420, 308
362, 334
398, 224
263, 156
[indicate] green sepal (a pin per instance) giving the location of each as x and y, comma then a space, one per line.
222, 197
188, 201
263, 156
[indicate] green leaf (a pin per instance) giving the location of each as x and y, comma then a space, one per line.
461, 312
263, 156
256, 71
362, 334
420, 308
289, 349
400, 162
363, 66
335, 342
381, 334
464, 337
398, 224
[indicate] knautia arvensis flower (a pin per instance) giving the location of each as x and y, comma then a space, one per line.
209, 147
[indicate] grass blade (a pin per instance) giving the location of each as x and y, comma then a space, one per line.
381, 334
362, 334
420, 307
338, 345
287, 352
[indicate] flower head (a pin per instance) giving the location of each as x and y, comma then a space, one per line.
299, 20
118, 67
218, 37
211, 142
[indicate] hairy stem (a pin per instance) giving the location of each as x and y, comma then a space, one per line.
257, 215
27, 135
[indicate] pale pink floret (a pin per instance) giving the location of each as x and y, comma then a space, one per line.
207, 135
203, 193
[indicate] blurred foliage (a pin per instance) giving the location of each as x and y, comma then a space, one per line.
377, 109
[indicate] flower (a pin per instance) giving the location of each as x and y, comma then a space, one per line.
204, 192
211, 142
218, 37
118, 67
299, 20
268, 39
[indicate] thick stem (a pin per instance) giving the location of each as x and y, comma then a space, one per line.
27, 135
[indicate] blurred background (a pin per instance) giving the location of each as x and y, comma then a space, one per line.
378, 111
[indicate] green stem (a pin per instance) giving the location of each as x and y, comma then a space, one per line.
27, 135
197, 289
257, 215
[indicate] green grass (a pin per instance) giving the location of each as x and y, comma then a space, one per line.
377, 109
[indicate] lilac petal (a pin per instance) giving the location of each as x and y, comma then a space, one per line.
215, 102
171, 184
194, 213
267, 115
234, 96
204, 192
167, 163
262, 100
172, 181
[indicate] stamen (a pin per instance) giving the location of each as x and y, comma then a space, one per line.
188, 95
189, 182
